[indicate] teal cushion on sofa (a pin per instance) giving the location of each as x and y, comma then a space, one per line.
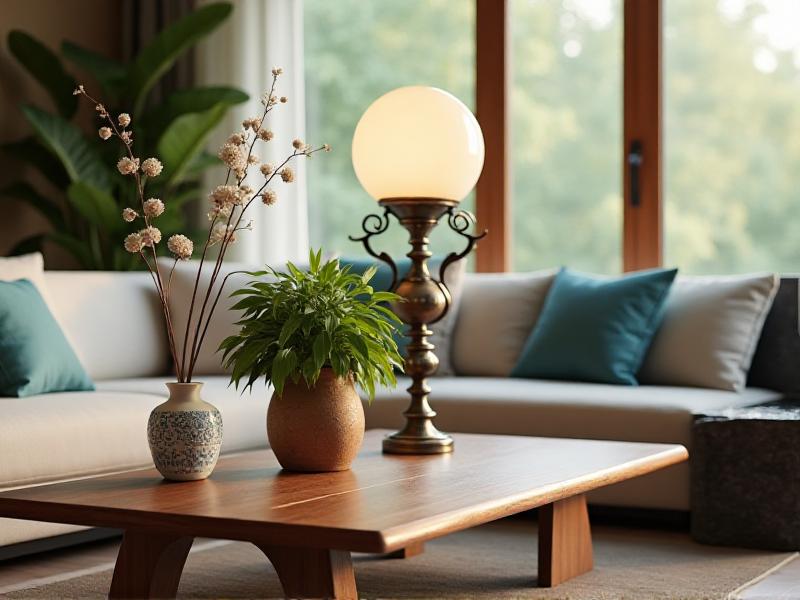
595, 328
35, 357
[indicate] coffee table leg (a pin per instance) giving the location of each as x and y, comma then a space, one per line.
408, 551
565, 541
313, 573
149, 565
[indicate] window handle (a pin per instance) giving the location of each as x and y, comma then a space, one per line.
635, 159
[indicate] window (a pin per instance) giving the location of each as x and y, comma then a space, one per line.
732, 117
355, 51
565, 124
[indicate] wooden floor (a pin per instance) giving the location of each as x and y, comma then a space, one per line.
782, 584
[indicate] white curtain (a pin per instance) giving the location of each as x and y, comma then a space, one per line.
259, 35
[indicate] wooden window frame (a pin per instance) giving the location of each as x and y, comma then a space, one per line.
642, 238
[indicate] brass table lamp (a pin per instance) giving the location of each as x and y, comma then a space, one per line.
419, 151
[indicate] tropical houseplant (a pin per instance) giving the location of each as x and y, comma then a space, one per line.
185, 433
313, 335
80, 166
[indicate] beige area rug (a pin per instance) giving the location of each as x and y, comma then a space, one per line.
493, 561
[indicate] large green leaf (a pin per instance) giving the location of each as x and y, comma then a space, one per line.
108, 72
163, 51
184, 139
46, 68
20, 190
33, 152
78, 248
67, 142
191, 100
96, 206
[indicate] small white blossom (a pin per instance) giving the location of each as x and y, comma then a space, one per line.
150, 235
287, 174
181, 246
129, 215
277, 71
133, 243
152, 167
269, 197
124, 119
104, 132
267, 169
127, 165
265, 135
153, 207
222, 232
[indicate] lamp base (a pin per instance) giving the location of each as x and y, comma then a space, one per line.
402, 444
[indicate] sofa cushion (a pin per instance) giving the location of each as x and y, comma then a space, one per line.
496, 315
112, 320
27, 266
574, 410
710, 330
35, 357
78, 434
595, 328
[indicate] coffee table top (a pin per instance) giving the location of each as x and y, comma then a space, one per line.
384, 503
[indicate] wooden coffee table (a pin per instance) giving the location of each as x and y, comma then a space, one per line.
307, 524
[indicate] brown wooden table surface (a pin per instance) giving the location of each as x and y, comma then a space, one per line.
307, 524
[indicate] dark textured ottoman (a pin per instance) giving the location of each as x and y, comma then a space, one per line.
745, 471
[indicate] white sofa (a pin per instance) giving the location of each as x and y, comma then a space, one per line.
113, 322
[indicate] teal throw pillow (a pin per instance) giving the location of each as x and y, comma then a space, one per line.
595, 329
35, 357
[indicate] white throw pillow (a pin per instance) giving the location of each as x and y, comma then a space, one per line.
710, 331
27, 266
443, 330
497, 314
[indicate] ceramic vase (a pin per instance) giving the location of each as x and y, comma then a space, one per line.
316, 429
185, 434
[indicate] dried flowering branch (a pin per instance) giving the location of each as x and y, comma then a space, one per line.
229, 202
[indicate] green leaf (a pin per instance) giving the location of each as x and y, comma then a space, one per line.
289, 327
96, 206
66, 141
157, 58
33, 152
321, 349
183, 140
20, 190
193, 100
78, 248
108, 72
46, 68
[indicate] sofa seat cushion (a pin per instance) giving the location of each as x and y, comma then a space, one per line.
54, 437
562, 409
575, 410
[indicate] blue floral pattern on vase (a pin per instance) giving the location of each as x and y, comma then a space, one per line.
185, 444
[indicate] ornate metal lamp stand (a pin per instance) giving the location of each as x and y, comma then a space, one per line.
426, 301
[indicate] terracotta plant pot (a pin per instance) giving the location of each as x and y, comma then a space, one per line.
316, 429
185, 434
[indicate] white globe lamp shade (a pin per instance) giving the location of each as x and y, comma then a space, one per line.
418, 142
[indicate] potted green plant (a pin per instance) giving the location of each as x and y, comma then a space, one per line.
314, 335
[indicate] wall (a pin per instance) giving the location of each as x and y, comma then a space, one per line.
94, 24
